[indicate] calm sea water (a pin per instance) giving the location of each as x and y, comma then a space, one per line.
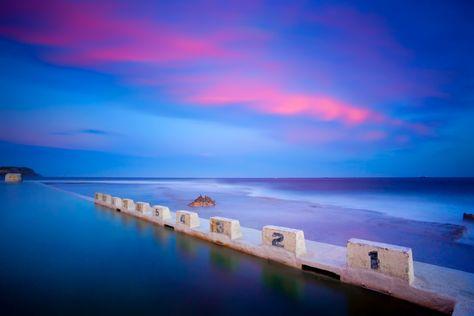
60, 254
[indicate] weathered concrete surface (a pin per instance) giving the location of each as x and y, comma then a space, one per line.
391, 260
13, 177
228, 227
435, 287
161, 213
117, 203
143, 207
107, 199
98, 197
289, 239
187, 219
128, 205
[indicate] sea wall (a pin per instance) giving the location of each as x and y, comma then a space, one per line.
385, 268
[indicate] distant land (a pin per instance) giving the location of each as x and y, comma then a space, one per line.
27, 172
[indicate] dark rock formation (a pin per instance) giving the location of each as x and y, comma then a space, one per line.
25, 172
202, 201
468, 216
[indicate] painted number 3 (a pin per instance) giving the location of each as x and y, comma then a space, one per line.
277, 240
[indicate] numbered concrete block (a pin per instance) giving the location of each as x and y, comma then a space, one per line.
107, 199
117, 203
13, 177
142, 207
289, 239
161, 212
391, 260
128, 205
98, 198
225, 226
187, 218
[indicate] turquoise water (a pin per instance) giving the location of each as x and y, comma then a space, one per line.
60, 254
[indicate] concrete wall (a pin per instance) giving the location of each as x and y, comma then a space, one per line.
13, 177
187, 219
117, 203
161, 212
128, 204
226, 226
289, 239
143, 208
391, 260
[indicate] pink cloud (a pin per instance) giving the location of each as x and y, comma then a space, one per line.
95, 35
267, 98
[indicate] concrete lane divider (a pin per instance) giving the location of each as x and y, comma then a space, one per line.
289, 239
161, 213
107, 200
187, 219
128, 205
390, 260
143, 208
225, 226
98, 198
117, 203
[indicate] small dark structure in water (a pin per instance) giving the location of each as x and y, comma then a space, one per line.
202, 201
468, 216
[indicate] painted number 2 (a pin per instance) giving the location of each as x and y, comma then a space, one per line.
277, 240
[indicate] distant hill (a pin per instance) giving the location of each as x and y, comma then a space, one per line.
26, 172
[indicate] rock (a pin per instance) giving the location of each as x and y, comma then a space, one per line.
202, 201
468, 216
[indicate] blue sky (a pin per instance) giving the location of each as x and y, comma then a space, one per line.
238, 89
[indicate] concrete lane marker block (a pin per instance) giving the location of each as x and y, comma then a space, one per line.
142, 207
391, 260
107, 199
13, 177
98, 198
289, 239
187, 218
128, 205
226, 226
117, 203
161, 212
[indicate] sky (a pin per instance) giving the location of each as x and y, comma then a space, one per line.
237, 88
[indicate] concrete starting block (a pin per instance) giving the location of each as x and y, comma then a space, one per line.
98, 198
128, 205
187, 218
117, 203
106, 199
142, 207
226, 226
13, 177
289, 239
161, 212
391, 260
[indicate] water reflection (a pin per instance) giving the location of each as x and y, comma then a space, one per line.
223, 260
289, 285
